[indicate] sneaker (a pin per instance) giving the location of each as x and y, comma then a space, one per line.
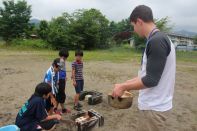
66, 111
77, 108
79, 105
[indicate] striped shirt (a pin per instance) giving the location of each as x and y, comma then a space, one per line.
78, 67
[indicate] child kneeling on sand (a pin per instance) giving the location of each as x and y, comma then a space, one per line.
33, 115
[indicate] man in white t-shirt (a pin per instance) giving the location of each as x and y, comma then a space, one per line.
156, 78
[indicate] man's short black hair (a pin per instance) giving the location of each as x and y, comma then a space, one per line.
42, 89
63, 53
78, 53
56, 62
143, 12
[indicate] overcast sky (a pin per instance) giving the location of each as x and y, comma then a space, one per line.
182, 13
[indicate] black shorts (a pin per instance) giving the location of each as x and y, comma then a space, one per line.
79, 86
61, 95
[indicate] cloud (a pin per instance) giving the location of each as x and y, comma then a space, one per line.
182, 13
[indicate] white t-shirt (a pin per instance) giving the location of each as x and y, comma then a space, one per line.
159, 97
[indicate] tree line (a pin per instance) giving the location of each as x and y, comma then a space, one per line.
85, 29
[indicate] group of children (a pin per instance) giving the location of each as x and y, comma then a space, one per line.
40, 112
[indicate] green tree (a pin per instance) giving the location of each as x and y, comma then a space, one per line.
117, 27
164, 24
119, 30
89, 29
43, 29
14, 18
30, 30
85, 29
58, 32
113, 28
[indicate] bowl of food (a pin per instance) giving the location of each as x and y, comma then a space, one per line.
123, 102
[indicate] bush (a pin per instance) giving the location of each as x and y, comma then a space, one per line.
30, 43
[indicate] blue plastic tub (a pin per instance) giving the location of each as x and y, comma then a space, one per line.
9, 128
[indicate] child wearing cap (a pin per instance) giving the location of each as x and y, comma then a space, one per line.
52, 77
33, 116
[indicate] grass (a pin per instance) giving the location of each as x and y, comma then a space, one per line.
189, 56
115, 54
29, 44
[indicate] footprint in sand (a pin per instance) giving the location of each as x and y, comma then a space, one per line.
5, 117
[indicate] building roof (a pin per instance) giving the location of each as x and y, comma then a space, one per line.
179, 35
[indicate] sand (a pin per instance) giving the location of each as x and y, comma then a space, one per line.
20, 72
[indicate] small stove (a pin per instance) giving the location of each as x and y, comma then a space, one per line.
86, 120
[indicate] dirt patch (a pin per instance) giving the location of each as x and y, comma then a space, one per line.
8, 71
20, 74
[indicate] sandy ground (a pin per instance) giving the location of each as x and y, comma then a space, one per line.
19, 75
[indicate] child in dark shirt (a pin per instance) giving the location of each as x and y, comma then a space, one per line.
33, 115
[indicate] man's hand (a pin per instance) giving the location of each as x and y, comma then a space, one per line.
133, 84
118, 90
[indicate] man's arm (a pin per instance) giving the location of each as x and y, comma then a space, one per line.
133, 84
132, 79
157, 52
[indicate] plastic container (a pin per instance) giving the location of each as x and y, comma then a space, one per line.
9, 128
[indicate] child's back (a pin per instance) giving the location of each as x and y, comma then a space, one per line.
33, 116
32, 112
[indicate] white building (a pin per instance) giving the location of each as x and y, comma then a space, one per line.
181, 40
